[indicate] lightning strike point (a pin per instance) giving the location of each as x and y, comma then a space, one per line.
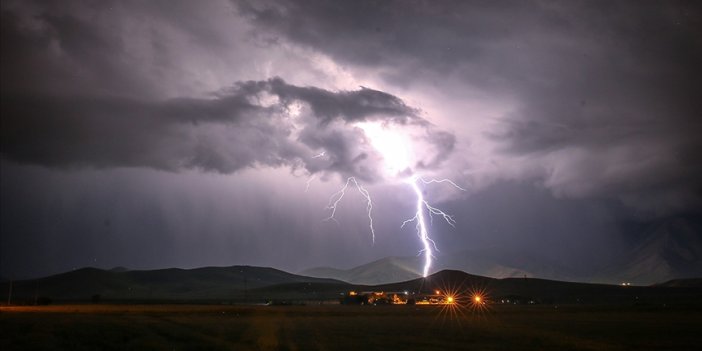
421, 226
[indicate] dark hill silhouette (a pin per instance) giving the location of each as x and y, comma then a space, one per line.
388, 269
678, 283
671, 249
540, 291
247, 284
206, 283
664, 250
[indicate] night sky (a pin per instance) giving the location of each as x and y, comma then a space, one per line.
154, 134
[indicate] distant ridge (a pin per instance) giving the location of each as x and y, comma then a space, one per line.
385, 270
543, 291
207, 283
682, 283
671, 249
248, 284
666, 250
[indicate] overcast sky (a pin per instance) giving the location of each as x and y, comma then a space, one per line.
154, 134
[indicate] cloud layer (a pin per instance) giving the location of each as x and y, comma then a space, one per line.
254, 123
189, 128
601, 96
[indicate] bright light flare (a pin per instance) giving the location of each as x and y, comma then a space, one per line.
454, 302
459, 301
478, 300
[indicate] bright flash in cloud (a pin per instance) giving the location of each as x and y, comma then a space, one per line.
394, 147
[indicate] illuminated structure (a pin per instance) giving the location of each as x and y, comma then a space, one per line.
395, 298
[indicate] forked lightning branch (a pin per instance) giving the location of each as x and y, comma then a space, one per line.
394, 153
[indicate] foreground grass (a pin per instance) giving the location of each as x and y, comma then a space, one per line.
213, 327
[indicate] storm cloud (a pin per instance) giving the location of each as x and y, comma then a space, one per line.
215, 131
246, 125
603, 94
120, 122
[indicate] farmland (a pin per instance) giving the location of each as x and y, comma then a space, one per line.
337, 327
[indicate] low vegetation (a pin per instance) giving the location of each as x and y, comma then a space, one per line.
338, 327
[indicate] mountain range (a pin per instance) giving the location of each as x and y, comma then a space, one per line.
173, 284
246, 284
666, 255
667, 250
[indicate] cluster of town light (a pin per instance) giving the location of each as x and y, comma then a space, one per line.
401, 298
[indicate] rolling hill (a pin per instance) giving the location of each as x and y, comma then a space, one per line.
246, 284
668, 250
208, 283
665, 250
389, 269
491, 263
542, 291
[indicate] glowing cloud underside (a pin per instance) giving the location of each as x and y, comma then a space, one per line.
393, 147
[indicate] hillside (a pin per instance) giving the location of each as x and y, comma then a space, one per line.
542, 291
169, 284
389, 269
246, 284
668, 250
502, 263
665, 250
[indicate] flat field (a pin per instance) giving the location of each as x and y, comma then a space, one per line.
336, 327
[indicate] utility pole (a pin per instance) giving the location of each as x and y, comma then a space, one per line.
246, 285
9, 295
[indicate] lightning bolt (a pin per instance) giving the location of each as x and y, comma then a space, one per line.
420, 220
395, 152
430, 181
337, 196
423, 207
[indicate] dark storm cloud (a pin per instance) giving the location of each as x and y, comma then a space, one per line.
595, 101
63, 54
116, 47
234, 129
351, 106
78, 92
606, 96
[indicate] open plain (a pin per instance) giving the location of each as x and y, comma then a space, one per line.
339, 327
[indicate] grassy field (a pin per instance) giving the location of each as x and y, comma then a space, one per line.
335, 327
